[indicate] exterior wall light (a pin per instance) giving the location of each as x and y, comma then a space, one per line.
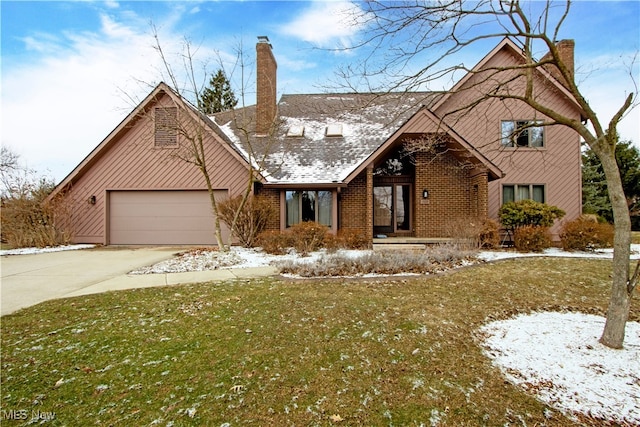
92, 200
425, 194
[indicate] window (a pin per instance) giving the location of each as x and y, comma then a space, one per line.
166, 130
309, 206
522, 133
515, 193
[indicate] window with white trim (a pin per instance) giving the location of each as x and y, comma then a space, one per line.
304, 206
517, 192
522, 133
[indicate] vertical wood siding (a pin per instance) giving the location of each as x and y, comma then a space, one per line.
556, 165
132, 161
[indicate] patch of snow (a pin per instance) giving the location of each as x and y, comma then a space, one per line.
570, 371
555, 252
31, 251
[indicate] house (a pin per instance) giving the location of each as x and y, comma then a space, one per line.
414, 164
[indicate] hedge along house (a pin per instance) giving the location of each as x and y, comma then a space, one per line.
378, 164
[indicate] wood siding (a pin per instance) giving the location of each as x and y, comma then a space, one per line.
556, 165
131, 161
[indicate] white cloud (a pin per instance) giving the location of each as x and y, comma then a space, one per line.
326, 23
606, 81
58, 107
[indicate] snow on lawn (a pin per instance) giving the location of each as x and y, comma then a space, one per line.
30, 251
558, 357
556, 252
237, 257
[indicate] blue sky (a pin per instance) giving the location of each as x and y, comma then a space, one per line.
71, 71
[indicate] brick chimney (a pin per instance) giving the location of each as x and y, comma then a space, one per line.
266, 86
566, 51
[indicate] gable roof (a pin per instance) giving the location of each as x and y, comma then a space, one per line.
303, 150
311, 155
426, 121
508, 44
160, 90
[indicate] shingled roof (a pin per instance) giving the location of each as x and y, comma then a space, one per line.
321, 138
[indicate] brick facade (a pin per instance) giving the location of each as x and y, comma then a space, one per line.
353, 205
273, 196
266, 93
456, 195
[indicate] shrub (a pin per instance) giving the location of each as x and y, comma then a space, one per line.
27, 220
352, 239
528, 212
274, 242
489, 234
386, 263
532, 238
308, 236
474, 233
585, 234
251, 219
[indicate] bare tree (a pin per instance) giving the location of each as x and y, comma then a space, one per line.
192, 147
413, 44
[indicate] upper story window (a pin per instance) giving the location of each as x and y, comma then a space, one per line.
517, 192
522, 133
313, 206
166, 129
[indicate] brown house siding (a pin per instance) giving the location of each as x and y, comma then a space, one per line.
132, 162
556, 165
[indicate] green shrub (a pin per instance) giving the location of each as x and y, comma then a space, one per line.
585, 234
251, 219
528, 212
532, 238
308, 236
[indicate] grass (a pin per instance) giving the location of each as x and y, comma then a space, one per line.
635, 237
287, 352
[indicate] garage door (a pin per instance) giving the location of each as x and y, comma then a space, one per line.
162, 218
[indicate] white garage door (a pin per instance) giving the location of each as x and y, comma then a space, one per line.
162, 218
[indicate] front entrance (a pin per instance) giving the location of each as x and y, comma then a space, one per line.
391, 208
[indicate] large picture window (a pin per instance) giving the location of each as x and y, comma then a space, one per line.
309, 206
522, 133
517, 192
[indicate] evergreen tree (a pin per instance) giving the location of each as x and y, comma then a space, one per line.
218, 96
595, 198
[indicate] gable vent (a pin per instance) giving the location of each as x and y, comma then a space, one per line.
334, 129
295, 131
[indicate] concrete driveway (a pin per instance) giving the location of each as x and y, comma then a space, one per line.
30, 279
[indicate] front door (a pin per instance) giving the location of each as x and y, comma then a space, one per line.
391, 208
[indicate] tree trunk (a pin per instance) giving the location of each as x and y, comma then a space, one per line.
214, 206
620, 301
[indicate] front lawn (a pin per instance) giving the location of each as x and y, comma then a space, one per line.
392, 351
